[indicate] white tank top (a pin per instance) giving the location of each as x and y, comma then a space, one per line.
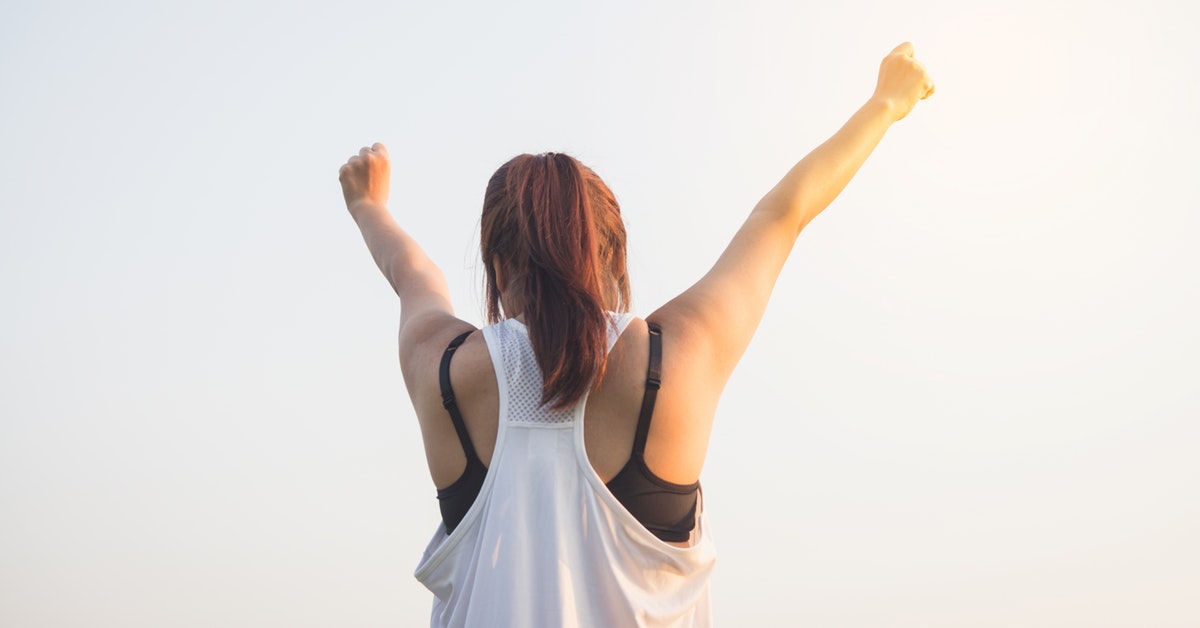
545, 543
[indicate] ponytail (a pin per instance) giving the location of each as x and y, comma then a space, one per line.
557, 230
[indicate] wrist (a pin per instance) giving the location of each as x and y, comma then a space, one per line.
364, 205
884, 107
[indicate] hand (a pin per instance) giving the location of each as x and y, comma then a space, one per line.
366, 177
902, 81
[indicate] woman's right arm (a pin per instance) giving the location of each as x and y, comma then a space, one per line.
427, 320
714, 320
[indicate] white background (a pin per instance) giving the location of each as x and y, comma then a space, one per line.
973, 400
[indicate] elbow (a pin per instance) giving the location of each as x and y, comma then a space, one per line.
791, 213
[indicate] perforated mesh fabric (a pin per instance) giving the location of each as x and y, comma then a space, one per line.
525, 380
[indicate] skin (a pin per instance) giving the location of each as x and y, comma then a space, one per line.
706, 329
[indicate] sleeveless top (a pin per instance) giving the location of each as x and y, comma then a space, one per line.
545, 542
667, 509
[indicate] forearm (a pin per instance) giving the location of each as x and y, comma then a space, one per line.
401, 260
812, 184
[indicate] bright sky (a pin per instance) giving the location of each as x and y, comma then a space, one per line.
973, 400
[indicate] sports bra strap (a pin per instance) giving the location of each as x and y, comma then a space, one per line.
448, 400
653, 381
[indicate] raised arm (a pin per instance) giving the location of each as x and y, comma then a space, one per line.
717, 316
425, 307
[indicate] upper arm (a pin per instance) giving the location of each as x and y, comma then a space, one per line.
427, 320
425, 307
717, 316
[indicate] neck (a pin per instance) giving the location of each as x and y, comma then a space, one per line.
513, 304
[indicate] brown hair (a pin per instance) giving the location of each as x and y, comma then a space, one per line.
557, 232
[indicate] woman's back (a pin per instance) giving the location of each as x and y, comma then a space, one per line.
545, 542
612, 408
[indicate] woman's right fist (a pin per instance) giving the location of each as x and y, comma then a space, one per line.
902, 81
366, 177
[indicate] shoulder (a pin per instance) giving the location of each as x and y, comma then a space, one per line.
471, 369
627, 361
423, 341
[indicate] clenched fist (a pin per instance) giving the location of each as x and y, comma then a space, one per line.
366, 177
902, 81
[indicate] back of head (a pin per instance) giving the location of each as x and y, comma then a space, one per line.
555, 230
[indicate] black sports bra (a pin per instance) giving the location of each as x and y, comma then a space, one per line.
666, 509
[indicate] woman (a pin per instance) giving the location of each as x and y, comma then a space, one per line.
566, 439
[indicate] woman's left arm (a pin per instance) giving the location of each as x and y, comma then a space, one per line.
425, 305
